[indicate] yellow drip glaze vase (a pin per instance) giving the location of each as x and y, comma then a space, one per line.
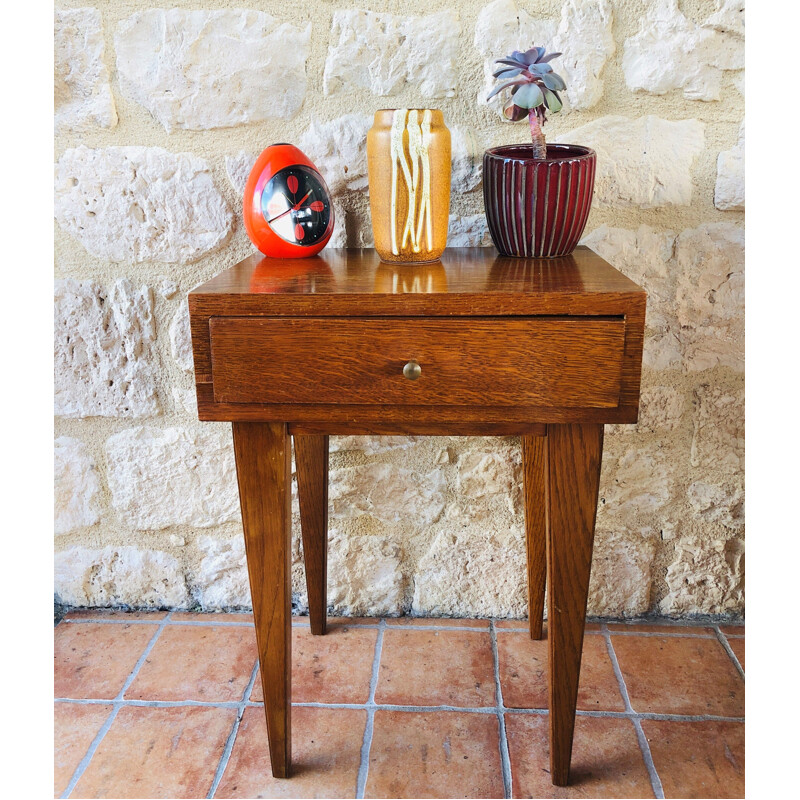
408, 158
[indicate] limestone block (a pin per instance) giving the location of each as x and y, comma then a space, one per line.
621, 574
117, 576
583, 34
364, 575
370, 445
384, 52
198, 69
464, 575
729, 189
642, 255
222, 581
338, 148
490, 471
640, 481
709, 261
706, 577
672, 52
238, 168
174, 476
718, 439
77, 487
138, 204
185, 401
661, 410
715, 503
180, 338
388, 493
468, 231
645, 162
82, 90
728, 18
105, 360
467, 159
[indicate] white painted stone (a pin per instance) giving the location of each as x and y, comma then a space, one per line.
105, 359
645, 162
672, 52
338, 148
729, 189
467, 159
728, 18
180, 338
621, 577
82, 91
706, 577
583, 34
709, 261
339, 235
387, 493
718, 436
370, 445
384, 52
138, 204
364, 575
463, 575
117, 576
77, 487
185, 401
174, 476
715, 503
468, 231
222, 581
238, 168
201, 69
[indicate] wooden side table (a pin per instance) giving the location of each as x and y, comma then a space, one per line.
476, 344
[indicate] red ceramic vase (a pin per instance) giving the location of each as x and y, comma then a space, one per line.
537, 208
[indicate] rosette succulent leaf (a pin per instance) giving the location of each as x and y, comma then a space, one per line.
534, 89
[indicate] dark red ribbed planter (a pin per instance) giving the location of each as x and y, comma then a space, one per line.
537, 208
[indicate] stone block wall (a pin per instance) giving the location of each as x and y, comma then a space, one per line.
159, 113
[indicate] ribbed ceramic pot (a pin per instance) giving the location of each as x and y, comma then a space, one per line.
408, 158
538, 208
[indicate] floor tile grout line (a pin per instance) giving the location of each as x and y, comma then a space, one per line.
644, 746
231, 740
117, 705
723, 640
505, 758
366, 744
411, 709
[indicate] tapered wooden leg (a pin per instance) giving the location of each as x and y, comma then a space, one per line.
263, 466
574, 456
534, 471
311, 459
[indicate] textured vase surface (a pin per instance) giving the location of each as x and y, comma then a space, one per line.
538, 208
408, 158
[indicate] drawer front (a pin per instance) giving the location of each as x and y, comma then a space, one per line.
465, 361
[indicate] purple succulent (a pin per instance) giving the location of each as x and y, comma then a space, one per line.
534, 89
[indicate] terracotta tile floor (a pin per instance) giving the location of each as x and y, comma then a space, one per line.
169, 705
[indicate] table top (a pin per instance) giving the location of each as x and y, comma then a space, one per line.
466, 281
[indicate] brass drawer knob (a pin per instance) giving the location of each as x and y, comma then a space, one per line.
412, 370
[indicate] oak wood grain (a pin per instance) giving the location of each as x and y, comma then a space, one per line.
311, 460
569, 362
574, 458
534, 471
264, 470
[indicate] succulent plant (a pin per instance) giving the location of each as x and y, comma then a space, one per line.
534, 89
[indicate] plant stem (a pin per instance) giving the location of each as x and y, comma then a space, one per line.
537, 136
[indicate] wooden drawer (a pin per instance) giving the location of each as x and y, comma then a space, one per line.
479, 361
